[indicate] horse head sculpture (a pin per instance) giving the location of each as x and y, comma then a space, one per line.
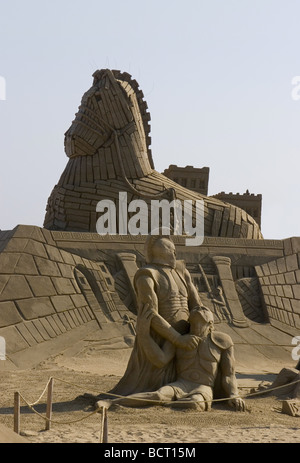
113, 115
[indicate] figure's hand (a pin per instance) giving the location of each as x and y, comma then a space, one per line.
188, 341
144, 319
237, 403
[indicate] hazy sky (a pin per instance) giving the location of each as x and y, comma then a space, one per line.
217, 76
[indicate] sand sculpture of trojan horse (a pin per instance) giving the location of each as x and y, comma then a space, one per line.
64, 282
108, 146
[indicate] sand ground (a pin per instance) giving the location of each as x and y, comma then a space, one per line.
93, 371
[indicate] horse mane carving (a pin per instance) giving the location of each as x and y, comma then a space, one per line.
108, 146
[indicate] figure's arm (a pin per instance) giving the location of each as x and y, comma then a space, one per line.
229, 382
146, 295
158, 356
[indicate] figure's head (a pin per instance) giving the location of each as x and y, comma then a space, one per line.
201, 320
160, 250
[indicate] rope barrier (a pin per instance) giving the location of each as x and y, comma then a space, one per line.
48, 417
42, 394
246, 396
54, 421
104, 428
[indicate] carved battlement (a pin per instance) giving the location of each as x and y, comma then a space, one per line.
193, 178
197, 178
238, 195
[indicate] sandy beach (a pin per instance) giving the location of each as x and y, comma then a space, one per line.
78, 379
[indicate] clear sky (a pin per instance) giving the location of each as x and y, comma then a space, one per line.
217, 76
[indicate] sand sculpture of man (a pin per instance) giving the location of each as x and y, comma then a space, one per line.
166, 287
197, 370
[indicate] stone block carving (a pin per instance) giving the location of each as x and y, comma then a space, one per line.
280, 285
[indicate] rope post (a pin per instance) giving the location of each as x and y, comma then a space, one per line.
104, 428
17, 412
49, 404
